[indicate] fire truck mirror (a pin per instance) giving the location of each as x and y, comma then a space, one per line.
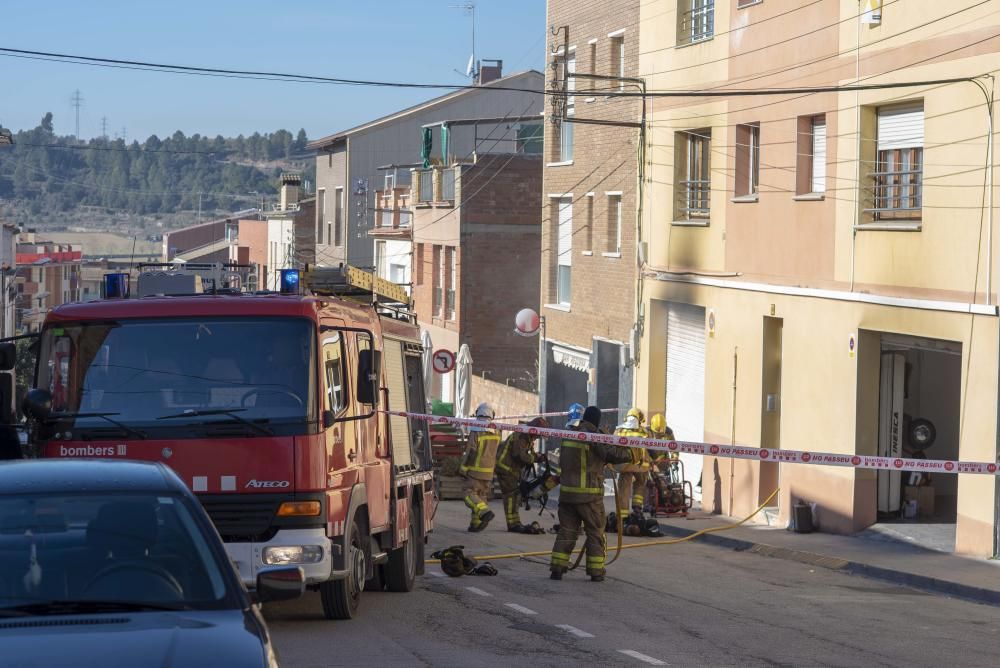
369, 362
37, 404
8, 356
329, 417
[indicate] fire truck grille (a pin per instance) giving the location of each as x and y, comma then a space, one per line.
242, 520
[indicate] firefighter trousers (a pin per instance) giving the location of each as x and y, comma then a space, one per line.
476, 493
571, 515
510, 489
631, 490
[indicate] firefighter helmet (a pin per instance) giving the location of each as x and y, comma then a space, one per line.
484, 411
454, 562
658, 424
637, 414
574, 415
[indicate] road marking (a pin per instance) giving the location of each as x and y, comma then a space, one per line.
478, 591
575, 631
642, 657
520, 608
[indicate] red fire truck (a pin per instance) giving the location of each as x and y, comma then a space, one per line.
270, 406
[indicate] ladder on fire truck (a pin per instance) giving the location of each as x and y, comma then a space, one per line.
352, 283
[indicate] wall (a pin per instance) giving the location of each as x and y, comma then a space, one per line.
331, 173
505, 400
604, 159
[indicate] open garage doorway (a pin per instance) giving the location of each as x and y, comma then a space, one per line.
920, 390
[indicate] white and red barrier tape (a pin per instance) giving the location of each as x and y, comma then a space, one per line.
731, 451
557, 414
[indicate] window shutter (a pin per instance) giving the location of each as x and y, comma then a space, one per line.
565, 232
901, 127
819, 155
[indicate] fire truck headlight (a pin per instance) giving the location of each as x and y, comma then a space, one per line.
293, 554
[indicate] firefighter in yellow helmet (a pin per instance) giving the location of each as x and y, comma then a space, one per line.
632, 476
516, 452
660, 430
477, 469
581, 497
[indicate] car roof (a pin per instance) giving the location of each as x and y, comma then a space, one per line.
53, 476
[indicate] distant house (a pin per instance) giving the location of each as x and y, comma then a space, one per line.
48, 275
348, 162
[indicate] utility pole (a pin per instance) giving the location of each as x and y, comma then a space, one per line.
104, 127
77, 101
124, 136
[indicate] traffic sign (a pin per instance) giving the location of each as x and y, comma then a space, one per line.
443, 361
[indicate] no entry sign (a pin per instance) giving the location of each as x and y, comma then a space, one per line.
443, 361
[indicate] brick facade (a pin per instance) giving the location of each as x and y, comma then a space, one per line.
604, 160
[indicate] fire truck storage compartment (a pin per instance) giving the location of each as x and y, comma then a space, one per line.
402, 373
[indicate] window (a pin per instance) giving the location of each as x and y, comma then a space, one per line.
618, 58
817, 173
380, 267
320, 213
333, 362
695, 21
338, 217
740, 4
420, 264
692, 192
450, 297
437, 281
896, 185
566, 137
747, 160
589, 234
564, 250
614, 222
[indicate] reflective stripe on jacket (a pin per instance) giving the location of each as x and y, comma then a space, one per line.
582, 467
640, 455
515, 454
480, 455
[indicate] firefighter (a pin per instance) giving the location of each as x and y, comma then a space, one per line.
632, 477
661, 431
477, 469
581, 497
516, 452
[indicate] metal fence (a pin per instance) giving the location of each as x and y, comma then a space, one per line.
448, 185
427, 185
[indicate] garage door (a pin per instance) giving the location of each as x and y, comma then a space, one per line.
686, 381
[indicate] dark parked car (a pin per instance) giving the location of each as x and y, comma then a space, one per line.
116, 564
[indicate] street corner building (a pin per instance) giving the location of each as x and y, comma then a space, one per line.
590, 203
820, 270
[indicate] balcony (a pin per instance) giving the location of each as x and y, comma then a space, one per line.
393, 216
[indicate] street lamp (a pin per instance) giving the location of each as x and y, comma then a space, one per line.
527, 322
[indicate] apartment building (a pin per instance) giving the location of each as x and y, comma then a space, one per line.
822, 267
348, 163
240, 239
589, 222
476, 235
48, 274
8, 284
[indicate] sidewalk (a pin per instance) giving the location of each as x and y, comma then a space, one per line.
967, 578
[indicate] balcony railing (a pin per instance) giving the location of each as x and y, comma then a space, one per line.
697, 23
694, 198
896, 195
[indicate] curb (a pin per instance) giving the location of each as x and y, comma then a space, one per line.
922, 582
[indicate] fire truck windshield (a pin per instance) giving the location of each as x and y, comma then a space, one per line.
201, 369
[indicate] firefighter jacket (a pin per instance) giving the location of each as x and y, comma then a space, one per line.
640, 455
480, 455
516, 452
660, 456
582, 467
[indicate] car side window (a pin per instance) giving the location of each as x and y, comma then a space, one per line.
333, 364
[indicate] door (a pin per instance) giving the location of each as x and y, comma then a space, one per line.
770, 410
686, 382
892, 385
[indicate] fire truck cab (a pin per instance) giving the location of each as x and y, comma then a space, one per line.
271, 407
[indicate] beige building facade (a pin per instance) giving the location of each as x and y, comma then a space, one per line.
822, 266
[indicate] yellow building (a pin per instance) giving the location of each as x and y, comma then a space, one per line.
821, 267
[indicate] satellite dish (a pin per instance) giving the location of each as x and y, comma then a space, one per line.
468, 68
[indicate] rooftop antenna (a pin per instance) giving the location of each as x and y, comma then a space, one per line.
471, 70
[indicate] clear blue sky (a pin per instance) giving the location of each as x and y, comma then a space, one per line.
397, 40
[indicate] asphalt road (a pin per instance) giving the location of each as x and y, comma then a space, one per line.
688, 604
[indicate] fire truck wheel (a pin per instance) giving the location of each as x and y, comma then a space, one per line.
341, 598
401, 571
